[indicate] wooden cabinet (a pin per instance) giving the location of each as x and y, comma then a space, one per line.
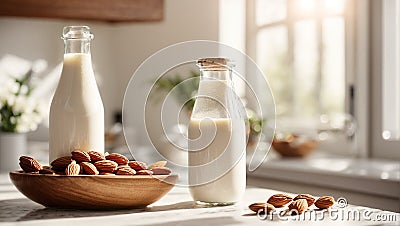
99, 10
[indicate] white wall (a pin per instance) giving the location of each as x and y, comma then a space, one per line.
118, 49
184, 20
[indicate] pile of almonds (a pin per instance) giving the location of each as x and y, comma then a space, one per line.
300, 203
93, 163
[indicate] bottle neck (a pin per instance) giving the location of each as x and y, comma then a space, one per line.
216, 74
77, 46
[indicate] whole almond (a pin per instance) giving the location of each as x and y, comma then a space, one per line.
300, 205
261, 206
161, 171
89, 168
106, 166
80, 156
158, 164
310, 199
125, 171
122, 167
118, 158
96, 156
279, 200
72, 169
29, 164
46, 171
144, 172
136, 165
324, 202
60, 164
107, 173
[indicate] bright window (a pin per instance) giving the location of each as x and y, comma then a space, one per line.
300, 45
303, 48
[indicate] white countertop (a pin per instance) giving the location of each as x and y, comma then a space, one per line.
371, 176
176, 208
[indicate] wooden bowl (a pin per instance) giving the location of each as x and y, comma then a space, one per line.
93, 192
287, 149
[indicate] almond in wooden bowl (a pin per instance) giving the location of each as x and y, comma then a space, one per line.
93, 191
294, 146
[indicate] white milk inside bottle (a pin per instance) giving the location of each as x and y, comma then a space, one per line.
77, 112
217, 138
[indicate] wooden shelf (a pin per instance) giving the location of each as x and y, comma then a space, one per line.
99, 10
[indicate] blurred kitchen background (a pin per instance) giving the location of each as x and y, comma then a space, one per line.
328, 63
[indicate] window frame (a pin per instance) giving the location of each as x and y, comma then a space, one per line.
357, 81
380, 148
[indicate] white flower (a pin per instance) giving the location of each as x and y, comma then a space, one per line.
36, 118
24, 90
41, 109
10, 99
30, 111
20, 104
3, 93
23, 123
24, 119
28, 121
13, 120
30, 106
22, 128
33, 126
12, 86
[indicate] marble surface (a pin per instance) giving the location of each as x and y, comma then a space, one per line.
177, 208
369, 176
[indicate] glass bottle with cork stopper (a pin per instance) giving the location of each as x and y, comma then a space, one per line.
217, 137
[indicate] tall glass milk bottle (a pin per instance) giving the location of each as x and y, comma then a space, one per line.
77, 112
217, 137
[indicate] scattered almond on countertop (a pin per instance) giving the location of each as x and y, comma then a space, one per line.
310, 199
297, 205
300, 205
279, 200
324, 202
261, 206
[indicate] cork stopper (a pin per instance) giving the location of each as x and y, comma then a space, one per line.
213, 62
